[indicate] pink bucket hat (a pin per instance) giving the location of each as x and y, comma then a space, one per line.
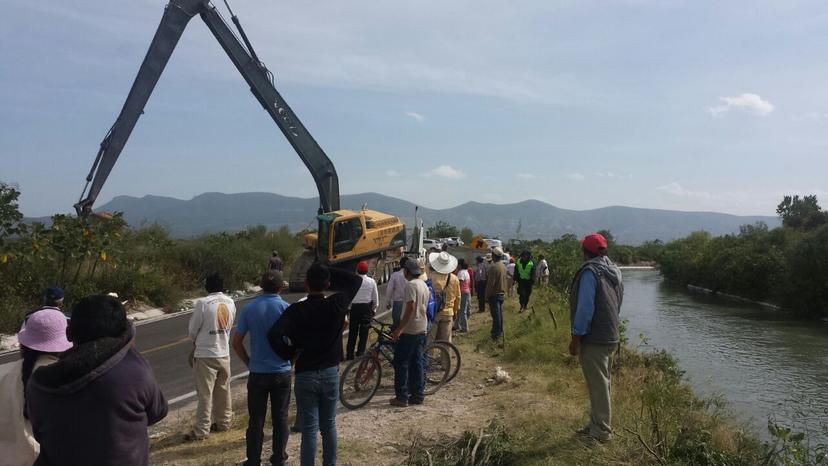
45, 331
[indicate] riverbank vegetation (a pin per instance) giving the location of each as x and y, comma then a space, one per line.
657, 418
101, 254
787, 266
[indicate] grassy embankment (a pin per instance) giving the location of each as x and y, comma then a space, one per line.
657, 418
529, 421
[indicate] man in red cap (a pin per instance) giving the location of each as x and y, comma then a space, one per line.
363, 307
595, 305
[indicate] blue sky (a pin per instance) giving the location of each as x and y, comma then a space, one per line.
686, 105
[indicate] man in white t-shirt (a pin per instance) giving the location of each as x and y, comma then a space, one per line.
363, 308
410, 335
209, 329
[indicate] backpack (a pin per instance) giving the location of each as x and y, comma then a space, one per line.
436, 301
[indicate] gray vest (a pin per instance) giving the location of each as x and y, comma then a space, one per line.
608, 297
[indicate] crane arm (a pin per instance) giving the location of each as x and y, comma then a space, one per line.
176, 16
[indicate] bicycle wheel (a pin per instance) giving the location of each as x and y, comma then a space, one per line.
359, 382
437, 365
454, 353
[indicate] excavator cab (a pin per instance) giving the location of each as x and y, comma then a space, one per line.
340, 236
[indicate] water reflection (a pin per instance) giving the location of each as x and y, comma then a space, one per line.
761, 361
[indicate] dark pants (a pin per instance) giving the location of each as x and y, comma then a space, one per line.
524, 292
260, 387
480, 289
496, 308
360, 316
409, 374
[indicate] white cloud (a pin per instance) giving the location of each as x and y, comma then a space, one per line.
750, 102
446, 171
676, 189
526, 176
392, 173
417, 116
576, 176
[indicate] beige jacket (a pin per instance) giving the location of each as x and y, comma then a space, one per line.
17, 444
452, 304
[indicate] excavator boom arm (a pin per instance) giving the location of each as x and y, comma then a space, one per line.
176, 16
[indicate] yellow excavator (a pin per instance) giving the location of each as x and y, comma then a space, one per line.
343, 237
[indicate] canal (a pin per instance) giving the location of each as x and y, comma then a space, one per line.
762, 362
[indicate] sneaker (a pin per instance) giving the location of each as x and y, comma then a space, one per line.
192, 437
214, 427
398, 403
586, 432
415, 401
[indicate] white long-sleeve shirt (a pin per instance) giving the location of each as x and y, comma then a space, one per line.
210, 325
395, 291
368, 293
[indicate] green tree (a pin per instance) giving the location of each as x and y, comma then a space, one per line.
650, 251
466, 234
608, 236
10, 216
442, 229
804, 213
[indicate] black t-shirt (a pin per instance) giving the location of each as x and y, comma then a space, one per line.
312, 329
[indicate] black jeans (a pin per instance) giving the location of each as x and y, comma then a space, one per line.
480, 289
524, 289
259, 388
360, 316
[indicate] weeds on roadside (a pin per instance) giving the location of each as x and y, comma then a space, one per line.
487, 447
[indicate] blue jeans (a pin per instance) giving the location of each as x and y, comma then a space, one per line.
409, 375
317, 392
496, 309
461, 322
396, 313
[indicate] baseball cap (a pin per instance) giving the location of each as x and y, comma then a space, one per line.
53, 294
595, 243
413, 268
362, 267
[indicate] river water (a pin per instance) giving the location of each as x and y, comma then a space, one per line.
762, 362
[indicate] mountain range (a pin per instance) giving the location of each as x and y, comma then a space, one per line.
213, 212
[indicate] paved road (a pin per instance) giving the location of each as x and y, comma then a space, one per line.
164, 343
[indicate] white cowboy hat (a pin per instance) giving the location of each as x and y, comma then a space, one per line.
442, 262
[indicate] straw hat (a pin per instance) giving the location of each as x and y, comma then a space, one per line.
442, 262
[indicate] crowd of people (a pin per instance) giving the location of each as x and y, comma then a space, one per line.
80, 376
81, 394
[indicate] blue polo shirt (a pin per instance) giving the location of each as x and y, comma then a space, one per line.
257, 317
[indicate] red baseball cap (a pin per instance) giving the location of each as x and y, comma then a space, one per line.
362, 267
595, 243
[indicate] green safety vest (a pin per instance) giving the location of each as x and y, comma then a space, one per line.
525, 273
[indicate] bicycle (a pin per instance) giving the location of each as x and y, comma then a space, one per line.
361, 378
454, 353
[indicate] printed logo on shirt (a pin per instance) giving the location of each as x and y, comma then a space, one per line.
222, 318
